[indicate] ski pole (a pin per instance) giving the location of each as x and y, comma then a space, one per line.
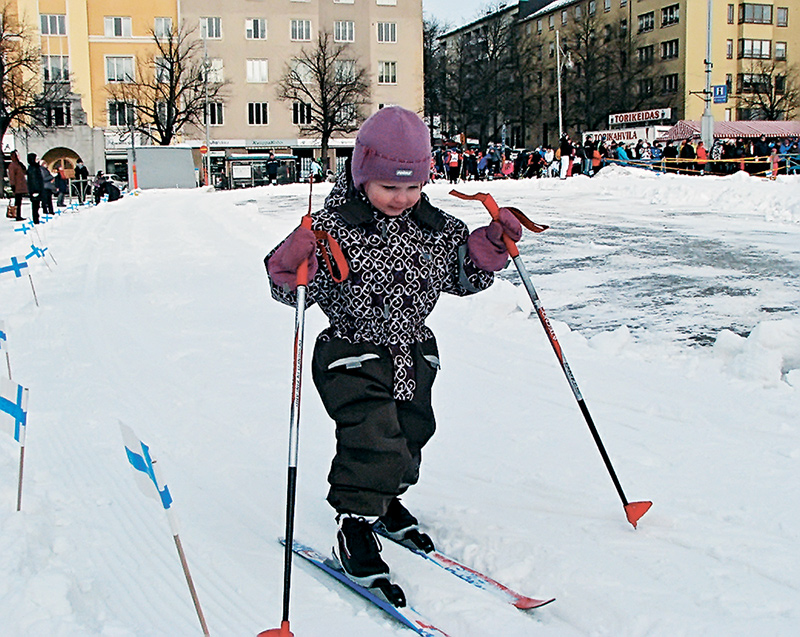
294, 428
633, 510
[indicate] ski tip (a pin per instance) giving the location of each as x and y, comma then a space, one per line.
635, 510
528, 603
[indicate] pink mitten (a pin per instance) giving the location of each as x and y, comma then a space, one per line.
485, 245
283, 264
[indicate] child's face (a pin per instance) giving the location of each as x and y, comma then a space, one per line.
392, 197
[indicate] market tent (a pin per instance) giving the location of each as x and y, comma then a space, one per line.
686, 129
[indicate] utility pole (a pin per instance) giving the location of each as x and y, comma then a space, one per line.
207, 156
707, 121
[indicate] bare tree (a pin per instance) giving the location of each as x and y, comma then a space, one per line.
24, 95
171, 88
768, 90
434, 69
328, 89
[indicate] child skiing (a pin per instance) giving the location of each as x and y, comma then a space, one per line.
375, 364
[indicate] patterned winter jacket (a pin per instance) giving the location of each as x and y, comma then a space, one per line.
398, 268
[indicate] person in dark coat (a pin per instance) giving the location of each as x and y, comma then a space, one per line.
670, 155
35, 185
374, 366
81, 180
18, 182
62, 185
687, 156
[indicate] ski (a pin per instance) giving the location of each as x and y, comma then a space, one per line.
406, 615
476, 578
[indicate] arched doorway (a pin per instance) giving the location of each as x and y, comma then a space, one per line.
65, 158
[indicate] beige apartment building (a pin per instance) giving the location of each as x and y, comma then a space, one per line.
93, 44
748, 41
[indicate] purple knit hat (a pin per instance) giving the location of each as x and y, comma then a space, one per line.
393, 145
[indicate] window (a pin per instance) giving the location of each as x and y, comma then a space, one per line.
344, 71
387, 72
670, 15
302, 71
552, 52
162, 70
119, 68
623, 27
669, 83
54, 24
255, 28
215, 114
211, 28
387, 32
669, 50
780, 84
55, 68
780, 50
752, 83
258, 71
564, 17
301, 30
58, 114
729, 49
551, 21
343, 1
117, 27
578, 11
645, 87
755, 13
301, 113
759, 49
646, 54
120, 113
606, 5
162, 27
386, 2
344, 31
730, 14
782, 17
592, 7
258, 113
647, 22
623, 3
729, 82
216, 74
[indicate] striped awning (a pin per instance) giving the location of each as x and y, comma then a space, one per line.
686, 129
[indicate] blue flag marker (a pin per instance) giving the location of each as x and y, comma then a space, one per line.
23, 228
14, 408
36, 252
16, 266
139, 457
3, 336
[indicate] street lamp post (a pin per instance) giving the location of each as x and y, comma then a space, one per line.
207, 156
559, 65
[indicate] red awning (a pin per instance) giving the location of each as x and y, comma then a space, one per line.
686, 129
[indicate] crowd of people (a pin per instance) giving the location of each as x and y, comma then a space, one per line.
37, 183
762, 156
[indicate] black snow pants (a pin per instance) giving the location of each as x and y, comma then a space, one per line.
379, 439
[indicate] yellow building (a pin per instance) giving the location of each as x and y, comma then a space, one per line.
662, 43
94, 44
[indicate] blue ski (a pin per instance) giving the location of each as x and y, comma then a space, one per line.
406, 615
476, 578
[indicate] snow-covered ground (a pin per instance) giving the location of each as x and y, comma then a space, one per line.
677, 303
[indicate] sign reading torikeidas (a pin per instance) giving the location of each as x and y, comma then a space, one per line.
652, 115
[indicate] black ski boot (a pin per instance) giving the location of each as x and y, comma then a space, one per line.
402, 527
358, 552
